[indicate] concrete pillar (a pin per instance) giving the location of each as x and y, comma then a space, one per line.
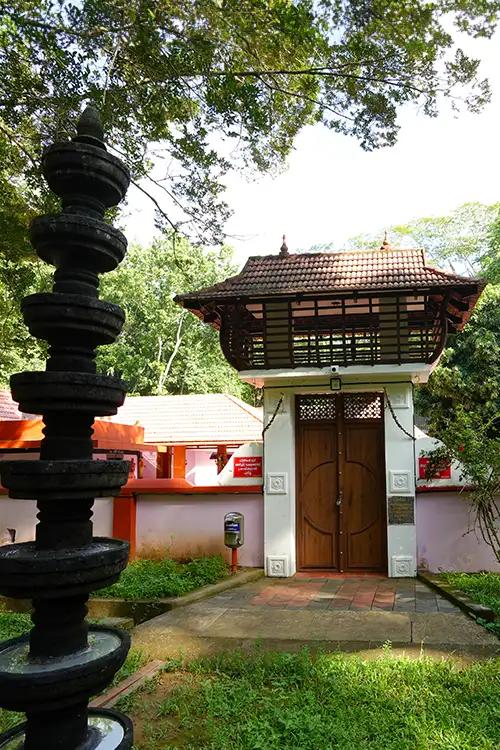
400, 482
279, 485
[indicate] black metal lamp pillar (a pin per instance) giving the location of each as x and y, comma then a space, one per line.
51, 673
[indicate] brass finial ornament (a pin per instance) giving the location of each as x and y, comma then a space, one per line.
284, 247
386, 245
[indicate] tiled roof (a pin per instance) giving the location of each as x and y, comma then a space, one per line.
208, 419
303, 273
8, 408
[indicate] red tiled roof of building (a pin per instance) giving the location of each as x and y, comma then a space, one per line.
318, 273
8, 408
205, 419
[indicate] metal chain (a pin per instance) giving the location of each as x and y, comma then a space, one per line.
275, 414
391, 409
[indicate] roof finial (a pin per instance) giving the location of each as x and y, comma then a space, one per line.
386, 245
89, 128
284, 248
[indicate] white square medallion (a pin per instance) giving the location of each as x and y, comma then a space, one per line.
401, 482
402, 566
276, 483
400, 399
272, 407
277, 566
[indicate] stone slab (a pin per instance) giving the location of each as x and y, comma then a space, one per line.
449, 628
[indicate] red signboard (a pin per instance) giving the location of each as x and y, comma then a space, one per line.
423, 462
247, 466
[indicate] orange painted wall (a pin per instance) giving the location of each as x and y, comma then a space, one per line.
16, 433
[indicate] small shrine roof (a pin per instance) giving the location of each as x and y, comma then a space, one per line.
195, 419
386, 269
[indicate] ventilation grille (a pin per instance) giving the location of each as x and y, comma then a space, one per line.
362, 406
316, 408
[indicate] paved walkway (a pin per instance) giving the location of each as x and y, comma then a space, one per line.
343, 593
349, 614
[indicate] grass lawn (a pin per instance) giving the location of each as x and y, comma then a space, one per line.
13, 624
484, 588
298, 702
153, 579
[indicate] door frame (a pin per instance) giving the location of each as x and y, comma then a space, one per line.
339, 425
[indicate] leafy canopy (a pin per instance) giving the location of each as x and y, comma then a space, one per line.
462, 397
462, 402
163, 348
462, 240
202, 87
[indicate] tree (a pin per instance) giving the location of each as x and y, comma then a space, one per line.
200, 87
162, 348
462, 398
462, 402
462, 240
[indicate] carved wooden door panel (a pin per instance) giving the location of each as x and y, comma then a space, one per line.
363, 521
341, 522
317, 456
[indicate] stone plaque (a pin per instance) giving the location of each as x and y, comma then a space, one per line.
401, 510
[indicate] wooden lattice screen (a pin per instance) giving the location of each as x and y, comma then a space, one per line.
371, 329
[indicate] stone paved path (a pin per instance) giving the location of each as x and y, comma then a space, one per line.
335, 613
360, 593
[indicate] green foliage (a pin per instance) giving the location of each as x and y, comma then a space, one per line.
484, 588
163, 348
19, 349
152, 579
276, 701
222, 84
13, 624
491, 260
462, 240
462, 402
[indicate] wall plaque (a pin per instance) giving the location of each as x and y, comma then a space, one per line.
401, 510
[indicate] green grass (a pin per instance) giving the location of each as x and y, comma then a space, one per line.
13, 624
333, 702
157, 579
483, 588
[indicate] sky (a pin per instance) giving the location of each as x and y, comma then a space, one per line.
332, 190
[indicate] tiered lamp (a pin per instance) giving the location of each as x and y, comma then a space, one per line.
51, 673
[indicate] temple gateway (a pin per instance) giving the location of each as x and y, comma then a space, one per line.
337, 341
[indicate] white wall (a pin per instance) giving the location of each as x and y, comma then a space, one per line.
279, 484
21, 515
444, 536
400, 477
200, 468
279, 471
251, 450
190, 525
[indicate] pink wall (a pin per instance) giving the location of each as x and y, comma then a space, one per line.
442, 520
200, 468
21, 516
194, 524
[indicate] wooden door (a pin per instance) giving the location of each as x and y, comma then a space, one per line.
317, 477
363, 519
341, 521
